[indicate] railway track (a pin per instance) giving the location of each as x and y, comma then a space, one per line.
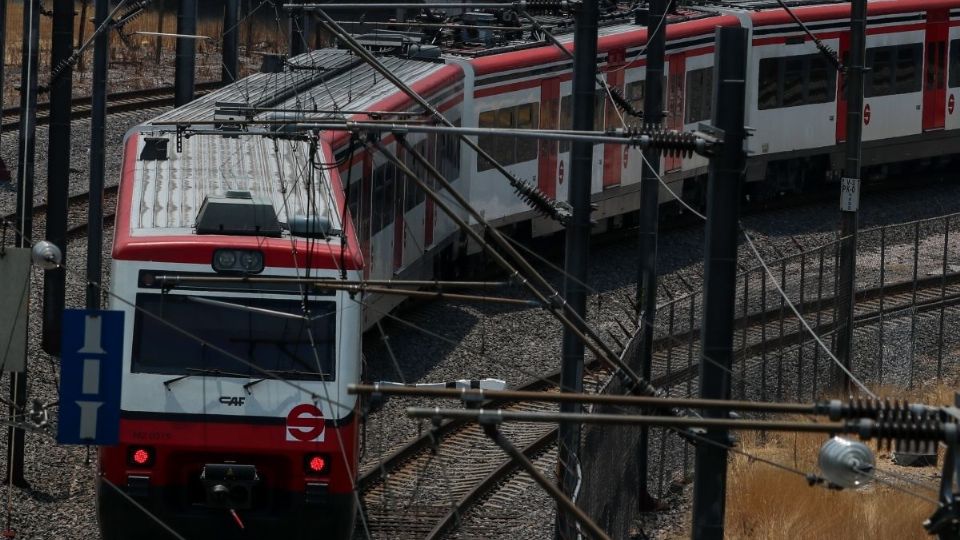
392, 491
117, 102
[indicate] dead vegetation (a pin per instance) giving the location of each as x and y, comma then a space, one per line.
139, 61
764, 502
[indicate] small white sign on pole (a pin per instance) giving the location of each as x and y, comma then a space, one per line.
849, 194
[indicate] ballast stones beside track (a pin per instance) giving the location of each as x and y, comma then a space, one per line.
117, 126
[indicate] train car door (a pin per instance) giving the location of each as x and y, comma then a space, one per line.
935, 70
549, 120
613, 153
400, 181
676, 75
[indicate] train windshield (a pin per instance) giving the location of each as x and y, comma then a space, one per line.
271, 334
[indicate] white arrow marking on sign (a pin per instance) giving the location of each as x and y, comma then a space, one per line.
88, 418
91, 335
91, 376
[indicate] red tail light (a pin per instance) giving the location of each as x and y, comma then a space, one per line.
140, 456
316, 464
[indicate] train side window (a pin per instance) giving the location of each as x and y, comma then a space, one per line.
881, 79
769, 83
599, 102
954, 80
909, 60
506, 147
793, 75
635, 93
488, 119
821, 84
526, 117
699, 95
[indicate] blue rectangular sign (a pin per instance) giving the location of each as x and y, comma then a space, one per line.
91, 365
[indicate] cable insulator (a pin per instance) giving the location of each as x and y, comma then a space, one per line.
540, 202
671, 143
621, 102
921, 435
876, 409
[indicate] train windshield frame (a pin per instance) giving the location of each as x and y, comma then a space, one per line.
251, 328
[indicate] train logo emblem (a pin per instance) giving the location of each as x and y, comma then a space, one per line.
866, 114
305, 424
951, 103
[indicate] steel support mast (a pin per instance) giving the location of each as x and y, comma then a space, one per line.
58, 172
719, 297
577, 249
850, 194
98, 122
298, 32
231, 41
186, 52
26, 150
649, 220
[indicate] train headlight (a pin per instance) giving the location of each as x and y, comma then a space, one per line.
314, 464
251, 261
242, 261
140, 456
225, 259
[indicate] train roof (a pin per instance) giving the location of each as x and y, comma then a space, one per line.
167, 194
323, 80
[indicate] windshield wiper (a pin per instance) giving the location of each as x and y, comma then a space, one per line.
284, 373
203, 371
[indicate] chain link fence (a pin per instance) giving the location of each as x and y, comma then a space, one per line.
907, 303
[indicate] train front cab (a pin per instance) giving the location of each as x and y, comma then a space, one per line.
224, 454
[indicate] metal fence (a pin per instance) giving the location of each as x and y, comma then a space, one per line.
907, 305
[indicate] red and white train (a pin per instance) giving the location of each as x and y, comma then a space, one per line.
213, 446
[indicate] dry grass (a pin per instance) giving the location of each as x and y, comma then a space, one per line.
768, 503
764, 502
135, 63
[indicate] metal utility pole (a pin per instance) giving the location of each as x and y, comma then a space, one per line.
4, 172
98, 121
719, 296
297, 32
231, 41
649, 218
25, 172
186, 51
58, 172
850, 193
577, 249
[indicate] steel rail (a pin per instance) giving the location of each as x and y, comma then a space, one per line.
489, 482
116, 103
